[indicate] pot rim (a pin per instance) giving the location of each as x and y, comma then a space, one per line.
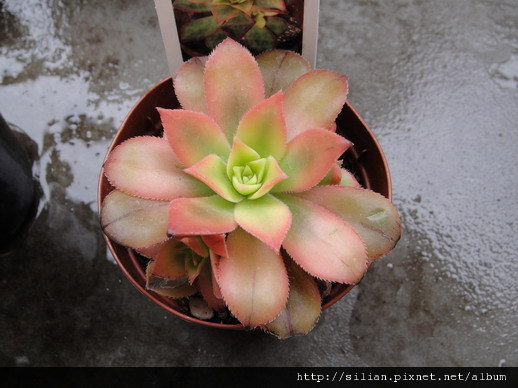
165, 302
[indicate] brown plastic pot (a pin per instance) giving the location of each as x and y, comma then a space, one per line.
365, 159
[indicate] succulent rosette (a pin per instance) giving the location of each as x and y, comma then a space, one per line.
243, 198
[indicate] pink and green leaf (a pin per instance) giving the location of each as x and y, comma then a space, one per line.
214, 265
206, 284
263, 128
134, 222
212, 171
168, 287
199, 216
303, 309
196, 244
314, 101
147, 167
280, 68
333, 176
245, 189
192, 266
189, 85
372, 215
266, 218
227, 103
309, 157
193, 135
274, 174
215, 243
323, 244
170, 263
339, 176
348, 179
152, 251
253, 280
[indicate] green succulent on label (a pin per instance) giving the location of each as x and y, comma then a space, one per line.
258, 24
243, 199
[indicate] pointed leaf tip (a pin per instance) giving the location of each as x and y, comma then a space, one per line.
263, 128
216, 243
266, 218
280, 68
193, 135
274, 175
212, 171
240, 154
189, 85
348, 179
309, 157
314, 101
227, 103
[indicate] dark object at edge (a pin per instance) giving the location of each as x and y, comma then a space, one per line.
17, 187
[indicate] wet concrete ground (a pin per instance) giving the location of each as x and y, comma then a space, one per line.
436, 81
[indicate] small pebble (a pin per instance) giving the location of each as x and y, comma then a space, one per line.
200, 309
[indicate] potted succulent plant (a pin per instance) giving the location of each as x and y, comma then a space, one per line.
233, 199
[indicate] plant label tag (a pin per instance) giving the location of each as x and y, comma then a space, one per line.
192, 28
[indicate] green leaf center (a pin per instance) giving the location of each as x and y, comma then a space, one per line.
248, 178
